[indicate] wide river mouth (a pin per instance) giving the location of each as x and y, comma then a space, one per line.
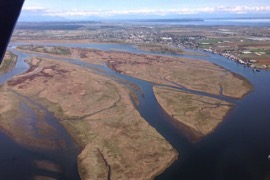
237, 149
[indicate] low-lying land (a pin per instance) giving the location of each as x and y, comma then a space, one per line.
160, 48
8, 62
166, 49
50, 49
248, 45
196, 75
98, 113
200, 113
100, 116
191, 74
25, 123
255, 54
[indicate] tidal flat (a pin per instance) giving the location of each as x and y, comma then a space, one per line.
98, 113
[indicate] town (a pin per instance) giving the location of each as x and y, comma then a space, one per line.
245, 45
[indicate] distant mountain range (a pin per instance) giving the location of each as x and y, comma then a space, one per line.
29, 17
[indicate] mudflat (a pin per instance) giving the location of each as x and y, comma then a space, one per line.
98, 113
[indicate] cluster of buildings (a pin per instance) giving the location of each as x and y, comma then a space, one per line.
249, 63
138, 35
148, 36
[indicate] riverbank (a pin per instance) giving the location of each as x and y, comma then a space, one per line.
98, 113
160, 48
201, 114
196, 75
193, 76
34, 131
222, 153
8, 62
165, 49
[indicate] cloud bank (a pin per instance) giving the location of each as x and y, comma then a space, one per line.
147, 12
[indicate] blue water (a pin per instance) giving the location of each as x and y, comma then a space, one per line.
210, 22
237, 149
16, 161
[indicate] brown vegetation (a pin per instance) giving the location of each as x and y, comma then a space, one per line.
23, 127
99, 115
202, 114
193, 74
8, 62
160, 48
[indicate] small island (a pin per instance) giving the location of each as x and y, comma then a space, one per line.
98, 111
175, 82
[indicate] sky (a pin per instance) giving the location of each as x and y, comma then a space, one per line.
122, 9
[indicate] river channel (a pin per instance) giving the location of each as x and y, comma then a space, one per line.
20, 162
238, 149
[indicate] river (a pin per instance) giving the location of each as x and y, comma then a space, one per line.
238, 149
19, 162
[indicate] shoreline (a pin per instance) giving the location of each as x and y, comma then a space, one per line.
114, 68
191, 127
50, 70
68, 42
193, 135
165, 49
115, 63
254, 66
5, 66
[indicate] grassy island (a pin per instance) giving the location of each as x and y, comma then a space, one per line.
98, 112
99, 115
8, 62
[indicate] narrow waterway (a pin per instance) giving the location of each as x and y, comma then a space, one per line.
239, 147
20, 162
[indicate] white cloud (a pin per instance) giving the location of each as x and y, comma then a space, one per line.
243, 9
33, 8
161, 12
